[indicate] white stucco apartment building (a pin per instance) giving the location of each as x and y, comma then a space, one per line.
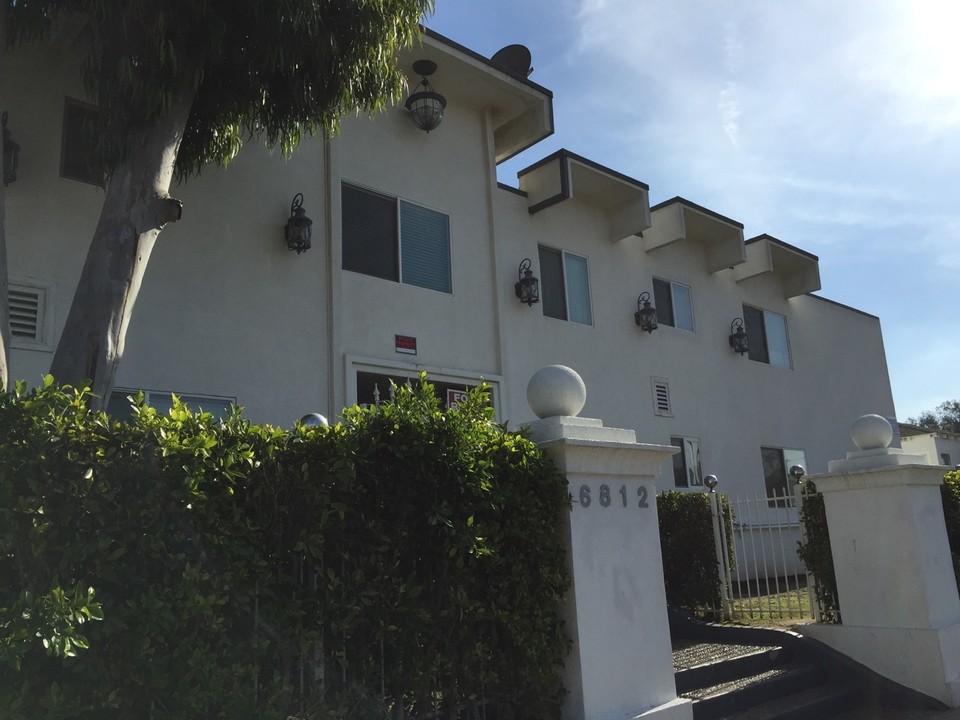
416, 250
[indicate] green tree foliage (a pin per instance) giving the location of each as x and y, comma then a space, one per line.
412, 556
690, 570
946, 418
183, 83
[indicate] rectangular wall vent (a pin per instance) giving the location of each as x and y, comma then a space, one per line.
661, 397
26, 313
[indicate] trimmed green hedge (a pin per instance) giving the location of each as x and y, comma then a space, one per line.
815, 553
690, 571
177, 566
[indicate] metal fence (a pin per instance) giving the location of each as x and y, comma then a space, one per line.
765, 579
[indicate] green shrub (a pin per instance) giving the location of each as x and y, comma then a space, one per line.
950, 492
411, 556
815, 553
690, 571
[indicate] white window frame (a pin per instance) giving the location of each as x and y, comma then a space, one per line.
690, 453
398, 239
799, 457
162, 397
357, 363
673, 305
768, 318
564, 254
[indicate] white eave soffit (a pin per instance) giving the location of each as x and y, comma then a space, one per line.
799, 271
679, 219
564, 175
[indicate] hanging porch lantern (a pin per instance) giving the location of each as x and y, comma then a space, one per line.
299, 227
646, 316
739, 340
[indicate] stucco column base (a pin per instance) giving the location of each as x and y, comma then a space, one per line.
895, 580
924, 660
621, 663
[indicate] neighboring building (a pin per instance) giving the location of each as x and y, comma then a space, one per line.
416, 249
940, 448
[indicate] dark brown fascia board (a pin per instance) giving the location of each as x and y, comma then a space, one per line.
485, 60
510, 188
566, 154
698, 208
781, 243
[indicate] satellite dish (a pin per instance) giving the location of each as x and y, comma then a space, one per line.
515, 59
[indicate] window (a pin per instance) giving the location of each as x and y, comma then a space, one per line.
776, 474
118, 407
565, 286
686, 463
395, 240
374, 388
673, 303
661, 397
767, 332
945, 459
79, 146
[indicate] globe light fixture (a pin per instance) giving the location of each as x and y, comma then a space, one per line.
425, 104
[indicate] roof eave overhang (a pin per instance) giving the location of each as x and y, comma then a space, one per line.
521, 111
798, 270
564, 175
680, 219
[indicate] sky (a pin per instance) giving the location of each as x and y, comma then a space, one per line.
833, 125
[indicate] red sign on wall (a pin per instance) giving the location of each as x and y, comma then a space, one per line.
406, 344
455, 397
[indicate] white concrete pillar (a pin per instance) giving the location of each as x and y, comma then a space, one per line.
895, 579
621, 664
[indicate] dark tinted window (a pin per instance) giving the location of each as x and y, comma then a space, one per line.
553, 294
369, 233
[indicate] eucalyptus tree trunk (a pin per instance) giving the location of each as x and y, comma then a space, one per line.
136, 207
4, 290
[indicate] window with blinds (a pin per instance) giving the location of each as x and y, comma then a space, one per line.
79, 150
395, 239
564, 286
767, 332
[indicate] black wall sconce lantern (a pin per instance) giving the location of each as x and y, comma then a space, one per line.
738, 339
646, 316
299, 226
425, 104
527, 287
11, 154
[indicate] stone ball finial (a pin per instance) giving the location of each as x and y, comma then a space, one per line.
871, 432
312, 420
556, 390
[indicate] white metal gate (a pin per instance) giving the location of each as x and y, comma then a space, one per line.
766, 580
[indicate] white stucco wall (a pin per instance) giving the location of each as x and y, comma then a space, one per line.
933, 446
732, 404
226, 310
